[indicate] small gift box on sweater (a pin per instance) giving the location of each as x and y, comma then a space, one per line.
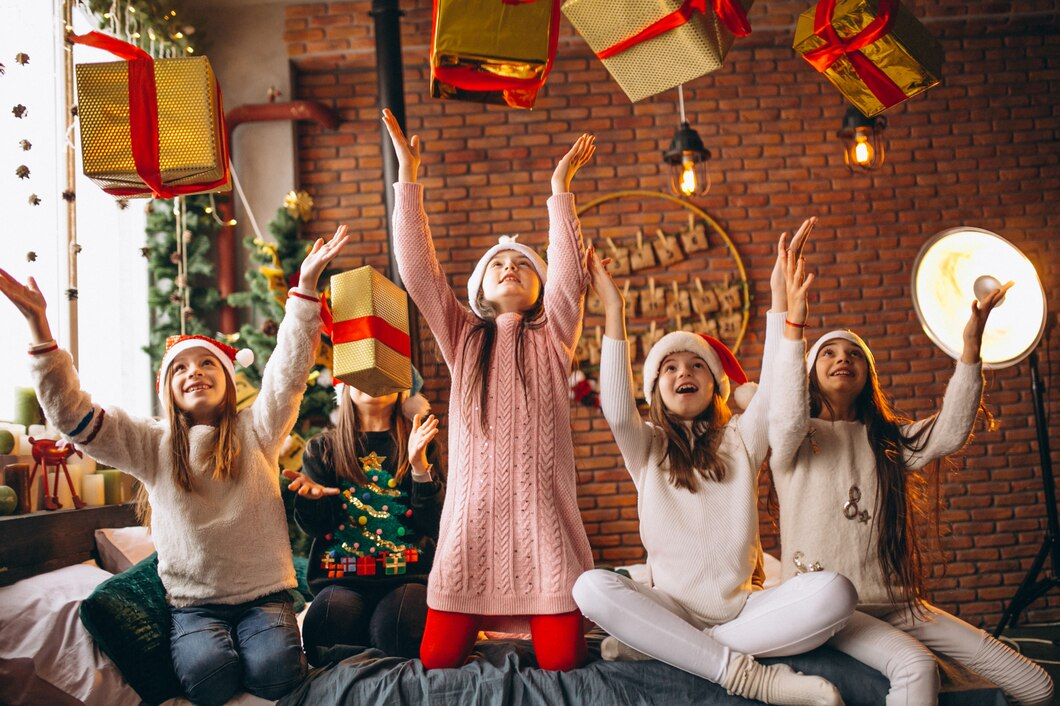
150, 127
874, 51
493, 51
366, 566
411, 554
370, 333
394, 564
649, 46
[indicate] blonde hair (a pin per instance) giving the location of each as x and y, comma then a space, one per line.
224, 458
692, 456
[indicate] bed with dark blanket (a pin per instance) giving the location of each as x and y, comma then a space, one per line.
503, 672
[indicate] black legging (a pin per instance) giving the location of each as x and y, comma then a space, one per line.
391, 621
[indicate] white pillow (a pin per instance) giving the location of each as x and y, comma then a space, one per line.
121, 547
46, 655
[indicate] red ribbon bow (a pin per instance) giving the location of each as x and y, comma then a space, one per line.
143, 120
730, 12
835, 47
352, 330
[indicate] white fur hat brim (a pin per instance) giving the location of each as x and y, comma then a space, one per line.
474, 284
840, 334
677, 342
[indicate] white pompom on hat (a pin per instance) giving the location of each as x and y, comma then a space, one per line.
719, 359
225, 353
840, 334
505, 242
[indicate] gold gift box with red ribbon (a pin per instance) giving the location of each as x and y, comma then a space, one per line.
874, 51
370, 332
493, 51
649, 46
181, 135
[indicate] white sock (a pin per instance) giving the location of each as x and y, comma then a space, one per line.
777, 684
614, 650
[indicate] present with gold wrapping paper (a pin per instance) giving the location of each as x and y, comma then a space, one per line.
370, 332
874, 51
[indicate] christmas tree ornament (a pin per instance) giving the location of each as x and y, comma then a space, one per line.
493, 52
22, 171
21, 58
122, 204
34, 200
69, 196
299, 204
874, 51
26, 145
150, 127
370, 332
19, 111
31, 256
649, 46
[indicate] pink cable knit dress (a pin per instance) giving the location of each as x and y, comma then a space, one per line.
511, 541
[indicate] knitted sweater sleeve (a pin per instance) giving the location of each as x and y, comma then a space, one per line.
283, 381
779, 357
110, 436
950, 429
320, 516
567, 273
422, 275
633, 435
789, 409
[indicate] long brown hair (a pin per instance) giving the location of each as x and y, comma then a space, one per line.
485, 329
694, 456
348, 441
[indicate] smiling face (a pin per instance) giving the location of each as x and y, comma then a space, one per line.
685, 384
511, 283
842, 371
198, 384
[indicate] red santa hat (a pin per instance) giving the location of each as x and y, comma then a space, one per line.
719, 359
225, 353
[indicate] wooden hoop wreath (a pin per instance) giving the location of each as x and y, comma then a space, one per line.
744, 289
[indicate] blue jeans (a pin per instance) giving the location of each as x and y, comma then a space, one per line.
219, 650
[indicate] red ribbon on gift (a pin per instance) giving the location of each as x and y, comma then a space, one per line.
835, 47
474, 80
143, 120
353, 330
730, 12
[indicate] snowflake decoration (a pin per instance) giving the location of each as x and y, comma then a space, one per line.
26, 145
145, 253
34, 200
69, 196
22, 172
123, 204
22, 58
31, 256
19, 111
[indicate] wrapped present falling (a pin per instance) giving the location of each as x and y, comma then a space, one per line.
150, 127
874, 51
649, 46
493, 51
370, 332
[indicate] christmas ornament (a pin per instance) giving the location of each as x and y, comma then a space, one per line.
26, 145
22, 58
22, 171
69, 196
299, 204
31, 256
122, 204
34, 200
145, 252
19, 111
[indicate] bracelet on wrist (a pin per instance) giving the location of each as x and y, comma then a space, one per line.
793, 324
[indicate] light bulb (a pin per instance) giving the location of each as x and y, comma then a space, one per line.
208, 210
232, 222
863, 152
688, 175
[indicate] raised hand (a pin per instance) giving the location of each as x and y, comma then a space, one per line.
408, 151
306, 486
29, 301
973, 330
797, 284
777, 284
319, 256
575, 159
423, 431
600, 279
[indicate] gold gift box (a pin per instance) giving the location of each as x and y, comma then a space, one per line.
695, 48
494, 39
190, 124
369, 364
908, 54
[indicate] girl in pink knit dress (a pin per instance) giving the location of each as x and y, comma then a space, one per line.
511, 542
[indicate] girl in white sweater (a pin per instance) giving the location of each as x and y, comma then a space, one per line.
212, 478
846, 471
695, 466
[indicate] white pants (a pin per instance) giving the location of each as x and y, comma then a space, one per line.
896, 645
794, 617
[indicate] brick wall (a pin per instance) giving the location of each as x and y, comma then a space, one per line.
981, 149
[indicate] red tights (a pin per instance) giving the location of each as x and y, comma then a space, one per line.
559, 641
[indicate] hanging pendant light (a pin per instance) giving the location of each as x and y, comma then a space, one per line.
687, 157
862, 140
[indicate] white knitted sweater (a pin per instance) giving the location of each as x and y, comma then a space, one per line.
702, 547
226, 542
816, 463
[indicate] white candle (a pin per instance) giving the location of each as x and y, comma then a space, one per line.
63, 488
92, 490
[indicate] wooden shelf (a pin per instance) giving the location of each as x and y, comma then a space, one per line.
39, 542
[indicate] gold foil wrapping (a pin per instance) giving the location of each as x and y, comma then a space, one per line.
909, 54
369, 364
695, 48
190, 124
494, 39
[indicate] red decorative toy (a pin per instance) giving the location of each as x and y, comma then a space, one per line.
49, 453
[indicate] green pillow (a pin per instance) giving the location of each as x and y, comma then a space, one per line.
128, 617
